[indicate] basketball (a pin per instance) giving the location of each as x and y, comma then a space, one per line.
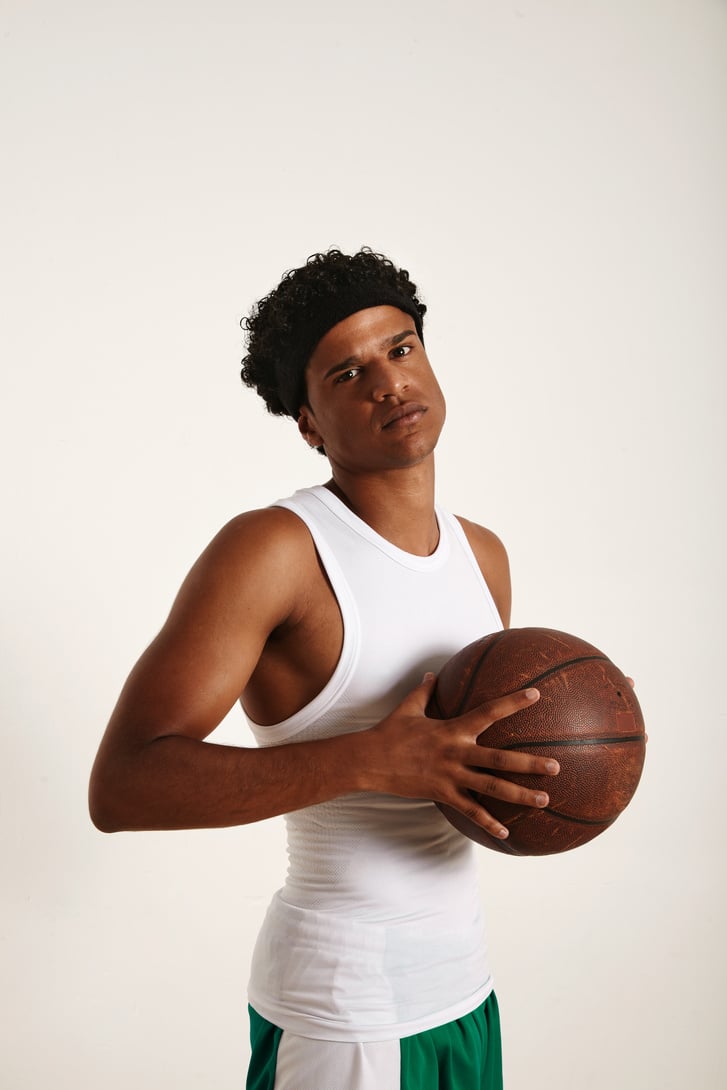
587, 718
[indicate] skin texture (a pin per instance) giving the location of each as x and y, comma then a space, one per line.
256, 621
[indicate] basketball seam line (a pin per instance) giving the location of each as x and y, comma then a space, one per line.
526, 684
564, 665
630, 738
579, 821
475, 671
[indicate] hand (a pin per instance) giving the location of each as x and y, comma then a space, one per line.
437, 759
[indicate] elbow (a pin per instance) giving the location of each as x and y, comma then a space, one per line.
103, 821
103, 805
102, 815
104, 826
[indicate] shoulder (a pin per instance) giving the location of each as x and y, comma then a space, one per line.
261, 558
491, 557
266, 534
484, 543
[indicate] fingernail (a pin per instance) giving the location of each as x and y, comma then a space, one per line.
503, 833
532, 694
553, 766
428, 676
541, 800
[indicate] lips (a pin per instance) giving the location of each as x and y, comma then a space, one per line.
401, 412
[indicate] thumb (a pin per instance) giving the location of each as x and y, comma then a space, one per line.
425, 688
415, 702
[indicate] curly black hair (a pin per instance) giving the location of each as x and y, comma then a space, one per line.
284, 327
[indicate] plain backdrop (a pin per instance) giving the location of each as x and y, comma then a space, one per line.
554, 176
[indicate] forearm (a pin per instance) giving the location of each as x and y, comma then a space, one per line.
176, 782
180, 782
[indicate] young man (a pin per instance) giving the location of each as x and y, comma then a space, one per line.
321, 614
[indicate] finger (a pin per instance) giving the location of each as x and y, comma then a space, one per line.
505, 790
470, 808
505, 760
487, 714
416, 701
632, 683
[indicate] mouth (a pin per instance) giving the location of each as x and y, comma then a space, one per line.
408, 413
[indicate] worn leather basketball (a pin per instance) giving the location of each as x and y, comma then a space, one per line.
587, 718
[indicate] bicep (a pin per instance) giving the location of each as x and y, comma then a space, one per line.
196, 668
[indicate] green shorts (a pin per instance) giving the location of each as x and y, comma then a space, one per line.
462, 1055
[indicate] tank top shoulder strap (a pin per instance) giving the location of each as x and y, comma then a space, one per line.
311, 512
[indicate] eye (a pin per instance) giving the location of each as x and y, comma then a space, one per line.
347, 375
401, 350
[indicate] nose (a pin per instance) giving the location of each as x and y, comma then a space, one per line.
388, 379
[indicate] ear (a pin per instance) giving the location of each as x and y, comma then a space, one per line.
308, 429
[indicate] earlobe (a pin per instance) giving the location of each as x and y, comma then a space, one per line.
308, 430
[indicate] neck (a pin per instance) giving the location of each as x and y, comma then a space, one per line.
397, 504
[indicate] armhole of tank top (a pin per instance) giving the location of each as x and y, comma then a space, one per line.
286, 729
458, 530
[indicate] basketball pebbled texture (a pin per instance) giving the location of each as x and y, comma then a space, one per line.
587, 718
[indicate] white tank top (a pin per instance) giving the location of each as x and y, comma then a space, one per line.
377, 932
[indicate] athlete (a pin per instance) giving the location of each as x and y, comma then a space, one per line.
327, 615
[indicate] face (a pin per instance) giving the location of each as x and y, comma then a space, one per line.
373, 400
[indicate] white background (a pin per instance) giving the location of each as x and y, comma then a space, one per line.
554, 175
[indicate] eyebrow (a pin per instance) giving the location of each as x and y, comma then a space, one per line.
389, 342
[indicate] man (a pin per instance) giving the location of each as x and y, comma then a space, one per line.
321, 614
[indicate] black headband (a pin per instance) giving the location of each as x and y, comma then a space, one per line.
321, 316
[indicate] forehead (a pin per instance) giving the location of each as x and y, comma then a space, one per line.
362, 333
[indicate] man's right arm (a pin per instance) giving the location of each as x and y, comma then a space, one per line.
154, 768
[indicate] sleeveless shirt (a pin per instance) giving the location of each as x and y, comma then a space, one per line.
378, 931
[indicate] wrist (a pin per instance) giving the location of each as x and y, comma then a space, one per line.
362, 756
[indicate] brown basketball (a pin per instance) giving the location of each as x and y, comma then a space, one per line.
587, 718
